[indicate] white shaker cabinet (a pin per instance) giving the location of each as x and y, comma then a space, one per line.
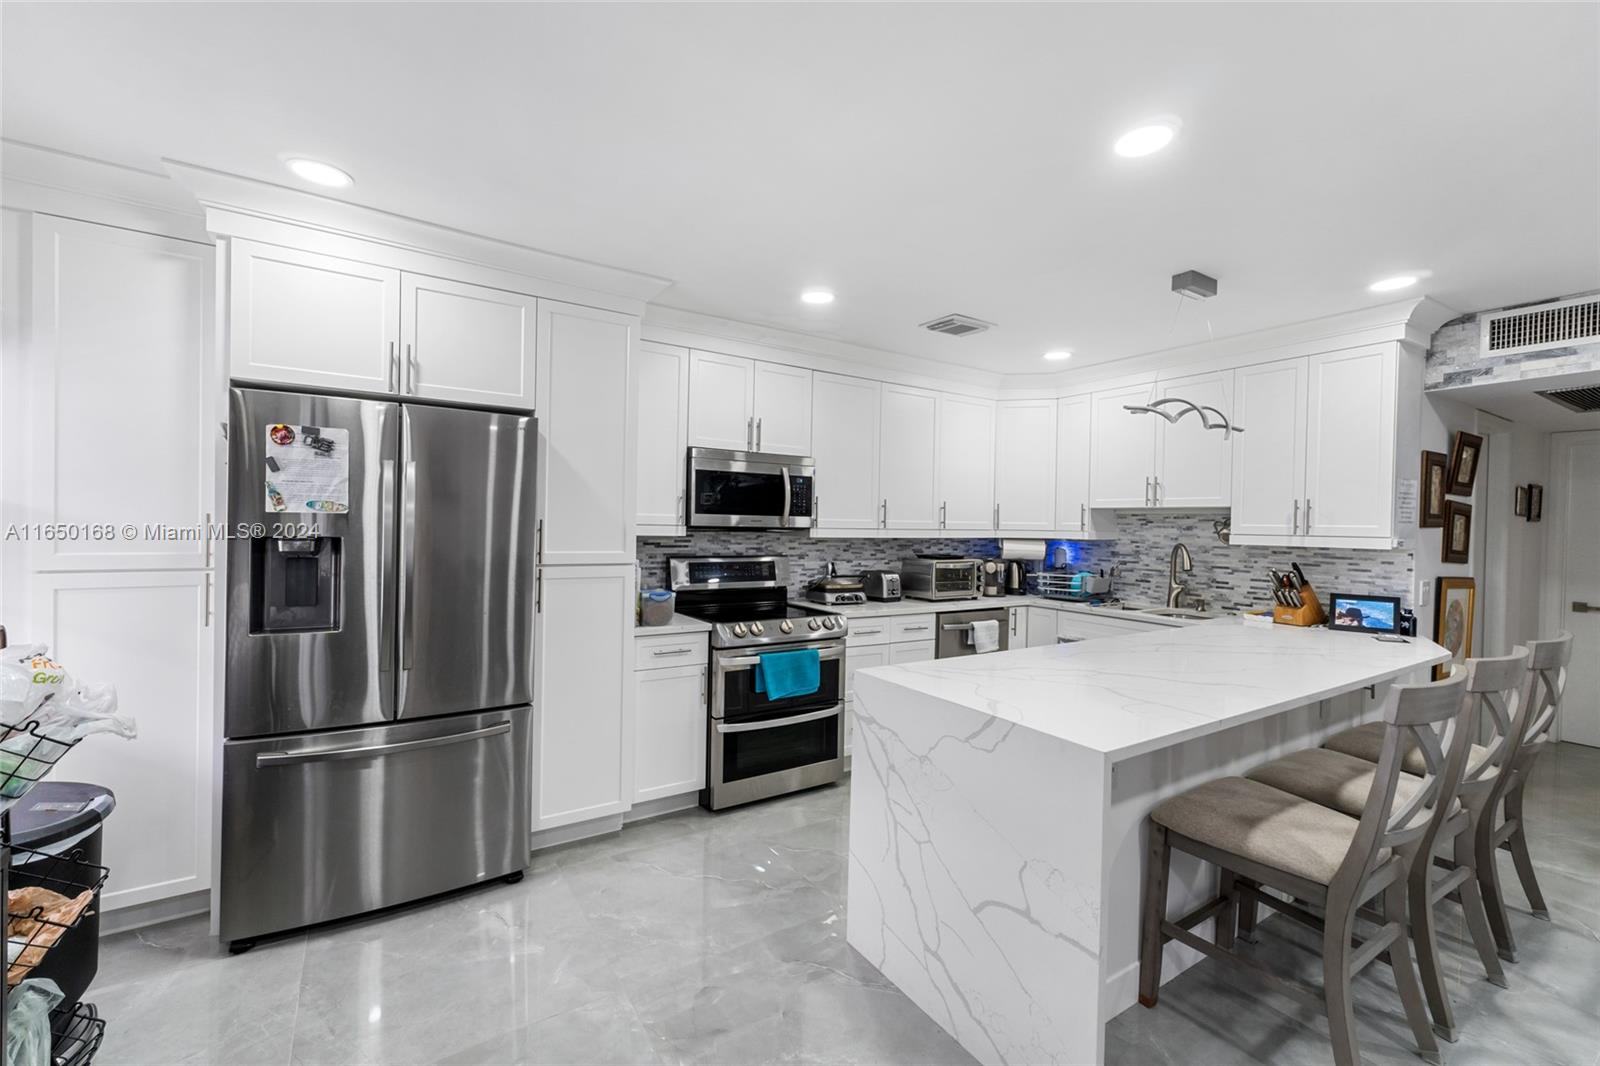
783, 409
1041, 627
670, 731
466, 343
966, 463
1269, 458
302, 318
1122, 452
908, 472
661, 409
845, 414
1025, 465
1350, 443
584, 694
586, 446
122, 396
914, 651
1075, 515
160, 845
858, 657
1194, 465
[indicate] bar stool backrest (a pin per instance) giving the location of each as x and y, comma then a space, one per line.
1500, 687
1549, 665
1435, 716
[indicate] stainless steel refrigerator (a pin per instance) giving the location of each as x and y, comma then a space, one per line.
380, 622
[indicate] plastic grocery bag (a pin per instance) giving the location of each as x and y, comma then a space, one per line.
44, 710
28, 1022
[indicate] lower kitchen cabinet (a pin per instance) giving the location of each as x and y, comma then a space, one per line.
1041, 627
1017, 624
159, 841
670, 730
584, 693
859, 658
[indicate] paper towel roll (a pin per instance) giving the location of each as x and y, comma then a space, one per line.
1032, 550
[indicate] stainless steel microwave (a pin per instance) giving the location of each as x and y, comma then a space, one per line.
750, 490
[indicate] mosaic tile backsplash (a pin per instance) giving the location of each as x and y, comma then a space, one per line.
1229, 577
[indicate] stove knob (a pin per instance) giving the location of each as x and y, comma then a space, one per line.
738, 629
815, 623
756, 628
786, 626
827, 623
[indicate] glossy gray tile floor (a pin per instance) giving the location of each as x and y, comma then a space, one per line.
720, 938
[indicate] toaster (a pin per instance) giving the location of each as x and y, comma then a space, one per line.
881, 584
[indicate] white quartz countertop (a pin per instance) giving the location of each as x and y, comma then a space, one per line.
876, 609
681, 623
1126, 695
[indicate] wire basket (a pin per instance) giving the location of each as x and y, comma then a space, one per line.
75, 1035
34, 927
26, 758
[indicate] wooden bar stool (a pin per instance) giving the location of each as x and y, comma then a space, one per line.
1258, 835
1549, 668
1497, 689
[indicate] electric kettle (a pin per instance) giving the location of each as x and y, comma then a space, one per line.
1016, 578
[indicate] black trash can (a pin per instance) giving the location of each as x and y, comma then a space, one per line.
64, 820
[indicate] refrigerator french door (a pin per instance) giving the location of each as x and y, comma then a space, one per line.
379, 655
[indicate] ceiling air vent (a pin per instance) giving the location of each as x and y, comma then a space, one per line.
1551, 325
958, 325
1582, 398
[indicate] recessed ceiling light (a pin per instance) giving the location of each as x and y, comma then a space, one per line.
319, 173
1399, 281
1058, 355
817, 296
1150, 137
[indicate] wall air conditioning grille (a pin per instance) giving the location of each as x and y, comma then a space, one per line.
1584, 399
1567, 322
957, 325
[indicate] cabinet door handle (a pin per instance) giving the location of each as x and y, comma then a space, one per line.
997, 516
394, 369
750, 433
1579, 607
758, 434
1296, 527
942, 509
1083, 521
909, 629
1156, 491
413, 370
538, 591
208, 599
207, 535
1308, 514
679, 512
538, 544
672, 651
883, 521
1147, 492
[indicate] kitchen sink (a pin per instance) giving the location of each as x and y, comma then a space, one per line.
1174, 612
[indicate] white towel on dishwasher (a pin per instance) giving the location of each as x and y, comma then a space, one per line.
985, 636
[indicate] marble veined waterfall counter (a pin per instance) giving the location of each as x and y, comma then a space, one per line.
997, 808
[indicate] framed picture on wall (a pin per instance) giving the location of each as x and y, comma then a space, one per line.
1455, 609
1535, 502
1434, 471
1457, 532
1520, 506
1465, 452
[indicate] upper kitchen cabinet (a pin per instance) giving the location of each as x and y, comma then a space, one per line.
1025, 466
1269, 458
1350, 443
1075, 515
312, 320
845, 417
1194, 465
1122, 450
467, 343
746, 405
121, 414
783, 409
586, 442
908, 474
966, 463
661, 413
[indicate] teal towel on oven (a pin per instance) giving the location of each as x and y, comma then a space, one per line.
782, 674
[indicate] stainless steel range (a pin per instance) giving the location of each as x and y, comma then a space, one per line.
758, 746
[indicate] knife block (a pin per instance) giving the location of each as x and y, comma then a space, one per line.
1309, 613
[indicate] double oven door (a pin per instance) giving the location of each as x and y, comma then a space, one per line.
761, 747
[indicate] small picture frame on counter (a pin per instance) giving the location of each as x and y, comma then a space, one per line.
1519, 505
1457, 544
1435, 471
1535, 503
1465, 451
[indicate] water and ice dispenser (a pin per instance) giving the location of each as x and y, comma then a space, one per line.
294, 584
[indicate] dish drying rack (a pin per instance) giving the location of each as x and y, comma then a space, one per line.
75, 1032
1076, 585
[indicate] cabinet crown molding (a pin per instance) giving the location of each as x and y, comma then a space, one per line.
239, 206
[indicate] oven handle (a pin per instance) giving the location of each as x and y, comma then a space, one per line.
774, 723
752, 660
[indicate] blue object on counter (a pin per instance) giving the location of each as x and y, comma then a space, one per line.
783, 674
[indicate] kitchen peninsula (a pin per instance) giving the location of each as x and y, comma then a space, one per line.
998, 802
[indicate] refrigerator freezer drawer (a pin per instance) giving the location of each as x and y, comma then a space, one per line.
327, 825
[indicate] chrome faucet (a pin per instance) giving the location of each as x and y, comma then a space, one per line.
1175, 588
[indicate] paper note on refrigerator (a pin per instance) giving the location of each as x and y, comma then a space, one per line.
307, 469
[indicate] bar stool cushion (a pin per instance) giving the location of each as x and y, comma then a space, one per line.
1264, 824
1366, 742
1330, 778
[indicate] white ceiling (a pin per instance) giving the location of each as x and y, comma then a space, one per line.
917, 158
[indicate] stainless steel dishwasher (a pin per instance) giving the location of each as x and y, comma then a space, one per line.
955, 631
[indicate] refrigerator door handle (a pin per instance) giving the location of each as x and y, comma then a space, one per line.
361, 751
386, 535
408, 562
